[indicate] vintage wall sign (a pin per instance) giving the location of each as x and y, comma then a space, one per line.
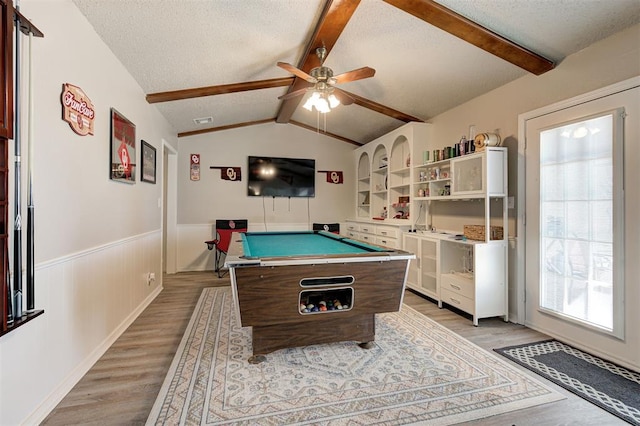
77, 109
194, 169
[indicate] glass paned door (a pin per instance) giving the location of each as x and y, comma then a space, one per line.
581, 233
576, 220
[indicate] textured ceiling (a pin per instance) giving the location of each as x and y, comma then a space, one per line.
421, 70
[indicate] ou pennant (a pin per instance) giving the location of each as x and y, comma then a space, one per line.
229, 173
77, 109
333, 176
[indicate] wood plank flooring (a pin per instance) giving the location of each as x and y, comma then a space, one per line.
121, 387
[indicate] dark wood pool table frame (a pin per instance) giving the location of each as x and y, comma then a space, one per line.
267, 296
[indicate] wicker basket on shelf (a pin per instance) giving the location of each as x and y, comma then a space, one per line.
476, 232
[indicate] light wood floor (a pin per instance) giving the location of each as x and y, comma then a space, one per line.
121, 387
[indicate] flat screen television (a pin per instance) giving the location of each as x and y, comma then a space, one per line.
281, 177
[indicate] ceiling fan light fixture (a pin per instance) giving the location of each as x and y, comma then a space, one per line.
322, 105
333, 101
322, 100
311, 102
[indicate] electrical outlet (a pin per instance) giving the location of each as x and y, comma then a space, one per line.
151, 277
511, 202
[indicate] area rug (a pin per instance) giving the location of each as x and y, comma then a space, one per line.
416, 372
609, 386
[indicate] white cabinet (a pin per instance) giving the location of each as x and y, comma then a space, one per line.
424, 270
379, 234
479, 174
476, 278
352, 230
430, 267
388, 236
467, 275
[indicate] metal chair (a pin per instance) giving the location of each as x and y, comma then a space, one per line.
224, 229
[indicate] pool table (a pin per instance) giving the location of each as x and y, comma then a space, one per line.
310, 287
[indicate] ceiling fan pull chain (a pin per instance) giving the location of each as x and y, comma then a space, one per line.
325, 122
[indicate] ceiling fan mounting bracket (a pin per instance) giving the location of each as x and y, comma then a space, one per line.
322, 73
322, 54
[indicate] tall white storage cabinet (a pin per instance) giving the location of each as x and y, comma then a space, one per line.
385, 174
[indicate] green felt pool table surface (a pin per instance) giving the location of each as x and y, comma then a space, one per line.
302, 243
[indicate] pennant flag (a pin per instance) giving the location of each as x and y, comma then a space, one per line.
195, 167
229, 173
333, 176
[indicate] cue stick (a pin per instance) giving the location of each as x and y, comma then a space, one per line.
30, 207
17, 231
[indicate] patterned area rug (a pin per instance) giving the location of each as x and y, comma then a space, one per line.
609, 386
416, 372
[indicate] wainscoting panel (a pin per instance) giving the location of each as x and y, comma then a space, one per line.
89, 299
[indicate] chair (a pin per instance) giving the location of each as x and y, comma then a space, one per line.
224, 229
329, 227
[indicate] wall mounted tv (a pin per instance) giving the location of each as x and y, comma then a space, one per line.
281, 177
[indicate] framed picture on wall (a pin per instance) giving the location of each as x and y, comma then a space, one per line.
123, 148
148, 163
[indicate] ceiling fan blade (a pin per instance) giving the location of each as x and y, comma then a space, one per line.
468, 30
297, 72
342, 96
359, 74
294, 94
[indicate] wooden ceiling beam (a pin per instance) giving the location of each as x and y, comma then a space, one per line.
323, 132
218, 90
469, 31
333, 20
382, 109
220, 128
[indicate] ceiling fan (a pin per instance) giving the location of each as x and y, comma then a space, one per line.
325, 95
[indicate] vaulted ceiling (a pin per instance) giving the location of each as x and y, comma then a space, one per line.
217, 58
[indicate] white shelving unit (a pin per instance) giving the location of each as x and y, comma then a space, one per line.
364, 186
394, 194
384, 185
466, 274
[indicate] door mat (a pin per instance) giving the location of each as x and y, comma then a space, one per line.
611, 387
